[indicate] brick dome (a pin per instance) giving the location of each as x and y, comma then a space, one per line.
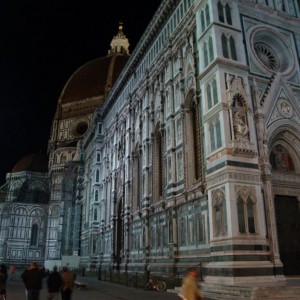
93, 79
35, 162
96, 78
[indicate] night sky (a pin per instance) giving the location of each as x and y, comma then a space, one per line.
42, 43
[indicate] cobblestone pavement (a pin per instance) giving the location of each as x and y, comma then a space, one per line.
100, 290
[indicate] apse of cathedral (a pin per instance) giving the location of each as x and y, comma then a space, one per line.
184, 152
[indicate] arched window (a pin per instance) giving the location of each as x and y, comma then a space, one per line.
182, 229
63, 158
208, 95
224, 46
219, 213
232, 48
215, 134
212, 137
224, 11
208, 51
100, 128
228, 14
215, 92
211, 94
137, 179
95, 214
228, 47
241, 216
246, 215
205, 55
202, 20
207, 16
221, 12
94, 244
211, 49
218, 133
34, 235
97, 175
157, 164
250, 216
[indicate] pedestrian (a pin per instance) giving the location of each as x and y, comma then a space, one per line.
190, 289
33, 280
12, 270
68, 280
147, 276
54, 284
3, 279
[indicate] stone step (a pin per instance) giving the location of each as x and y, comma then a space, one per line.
220, 292
225, 292
279, 292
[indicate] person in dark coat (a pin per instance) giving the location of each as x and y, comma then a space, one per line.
33, 280
54, 284
3, 279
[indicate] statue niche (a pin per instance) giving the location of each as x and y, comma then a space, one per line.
239, 118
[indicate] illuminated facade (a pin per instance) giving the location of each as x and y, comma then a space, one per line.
192, 155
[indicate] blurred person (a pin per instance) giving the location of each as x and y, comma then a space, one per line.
68, 281
12, 271
33, 280
190, 289
54, 284
3, 279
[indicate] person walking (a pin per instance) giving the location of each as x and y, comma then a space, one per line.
33, 280
147, 276
12, 270
68, 280
190, 289
54, 284
3, 279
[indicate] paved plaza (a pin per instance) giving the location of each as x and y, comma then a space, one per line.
95, 290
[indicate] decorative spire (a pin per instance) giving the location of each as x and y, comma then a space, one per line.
119, 43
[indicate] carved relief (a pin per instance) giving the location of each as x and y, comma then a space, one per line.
285, 108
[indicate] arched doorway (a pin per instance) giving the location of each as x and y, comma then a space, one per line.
286, 180
287, 210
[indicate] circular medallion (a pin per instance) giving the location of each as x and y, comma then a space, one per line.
285, 108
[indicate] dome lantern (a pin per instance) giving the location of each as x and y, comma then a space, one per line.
119, 43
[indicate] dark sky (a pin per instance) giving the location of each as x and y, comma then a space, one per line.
42, 43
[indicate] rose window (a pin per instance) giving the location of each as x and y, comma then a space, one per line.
266, 56
271, 50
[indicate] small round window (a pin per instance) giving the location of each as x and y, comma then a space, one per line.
79, 128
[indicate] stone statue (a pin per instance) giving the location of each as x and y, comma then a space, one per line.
241, 129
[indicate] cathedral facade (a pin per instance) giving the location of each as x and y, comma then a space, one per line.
187, 151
